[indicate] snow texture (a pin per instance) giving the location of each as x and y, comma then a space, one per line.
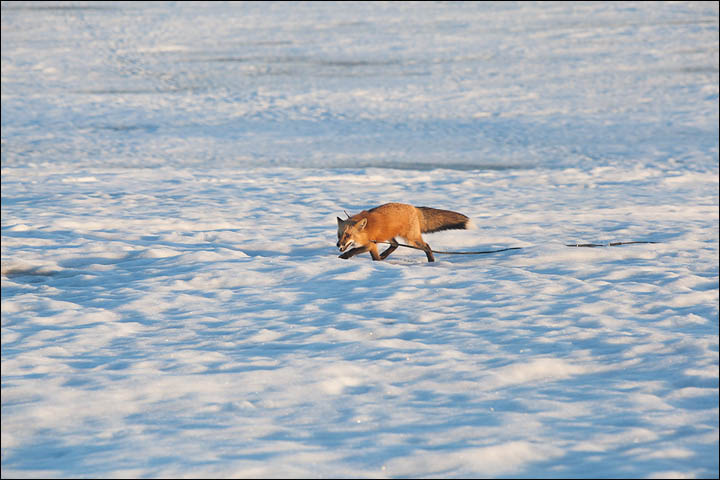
172, 300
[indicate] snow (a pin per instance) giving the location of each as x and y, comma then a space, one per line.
172, 300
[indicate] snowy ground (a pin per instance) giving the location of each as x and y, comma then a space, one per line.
172, 300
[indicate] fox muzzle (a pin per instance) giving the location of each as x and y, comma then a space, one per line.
345, 245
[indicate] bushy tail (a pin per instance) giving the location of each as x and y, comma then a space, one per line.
435, 220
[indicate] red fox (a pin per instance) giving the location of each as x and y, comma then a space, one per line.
359, 233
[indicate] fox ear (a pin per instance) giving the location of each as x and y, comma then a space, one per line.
362, 224
340, 220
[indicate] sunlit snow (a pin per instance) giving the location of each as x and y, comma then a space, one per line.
173, 303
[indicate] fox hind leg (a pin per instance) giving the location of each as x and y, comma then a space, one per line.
426, 248
428, 253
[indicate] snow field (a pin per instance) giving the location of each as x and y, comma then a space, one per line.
172, 300
176, 311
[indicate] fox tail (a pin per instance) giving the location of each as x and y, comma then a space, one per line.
435, 220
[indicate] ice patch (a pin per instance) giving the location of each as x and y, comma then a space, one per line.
485, 461
79, 180
540, 370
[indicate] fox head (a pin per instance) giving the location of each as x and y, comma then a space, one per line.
349, 232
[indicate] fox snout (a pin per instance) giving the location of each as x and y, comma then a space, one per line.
345, 245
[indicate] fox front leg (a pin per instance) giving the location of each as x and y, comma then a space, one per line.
374, 251
393, 246
352, 252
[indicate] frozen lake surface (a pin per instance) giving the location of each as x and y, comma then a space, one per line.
172, 300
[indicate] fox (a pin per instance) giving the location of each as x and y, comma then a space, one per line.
361, 232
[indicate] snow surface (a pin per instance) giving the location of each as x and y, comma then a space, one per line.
172, 300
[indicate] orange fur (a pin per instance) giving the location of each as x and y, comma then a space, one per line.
359, 233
